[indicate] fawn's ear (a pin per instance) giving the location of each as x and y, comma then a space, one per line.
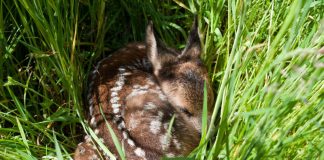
151, 47
193, 48
157, 53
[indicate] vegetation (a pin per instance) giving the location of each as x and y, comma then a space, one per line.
266, 61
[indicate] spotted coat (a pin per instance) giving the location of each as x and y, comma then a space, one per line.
133, 92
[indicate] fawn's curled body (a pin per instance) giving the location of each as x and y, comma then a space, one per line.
138, 90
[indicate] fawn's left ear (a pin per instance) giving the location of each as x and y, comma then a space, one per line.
157, 53
152, 47
193, 48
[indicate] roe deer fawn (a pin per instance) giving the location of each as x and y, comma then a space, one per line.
139, 89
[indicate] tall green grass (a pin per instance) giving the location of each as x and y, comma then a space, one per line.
265, 59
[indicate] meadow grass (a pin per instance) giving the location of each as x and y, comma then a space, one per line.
265, 58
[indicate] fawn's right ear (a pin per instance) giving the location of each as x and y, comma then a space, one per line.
193, 48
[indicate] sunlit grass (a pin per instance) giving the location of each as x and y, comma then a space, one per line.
265, 59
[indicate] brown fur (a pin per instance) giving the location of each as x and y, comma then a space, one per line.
139, 88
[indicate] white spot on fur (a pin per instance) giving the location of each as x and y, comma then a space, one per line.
93, 122
101, 140
100, 149
120, 82
125, 135
91, 110
116, 110
107, 157
177, 144
140, 46
114, 94
114, 100
140, 152
166, 126
149, 106
121, 125
96, 131
94, 71
115, 105
94, 157
136, 86
116, 88
136, 92
160, 115
131, 142
145, 87
93, 147
162, 96
133, 122
126, 74
170, 155
90, 101
155, 126
121, 69
87, 139
88, 144
165, 141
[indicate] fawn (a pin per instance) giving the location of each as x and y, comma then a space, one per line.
139, 89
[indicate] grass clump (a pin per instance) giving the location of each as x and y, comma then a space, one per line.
265, 59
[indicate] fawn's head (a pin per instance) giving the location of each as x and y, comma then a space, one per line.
181, 75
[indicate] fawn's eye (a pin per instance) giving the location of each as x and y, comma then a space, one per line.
185, 111
199, 63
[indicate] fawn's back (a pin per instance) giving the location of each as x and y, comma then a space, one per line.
138, 90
